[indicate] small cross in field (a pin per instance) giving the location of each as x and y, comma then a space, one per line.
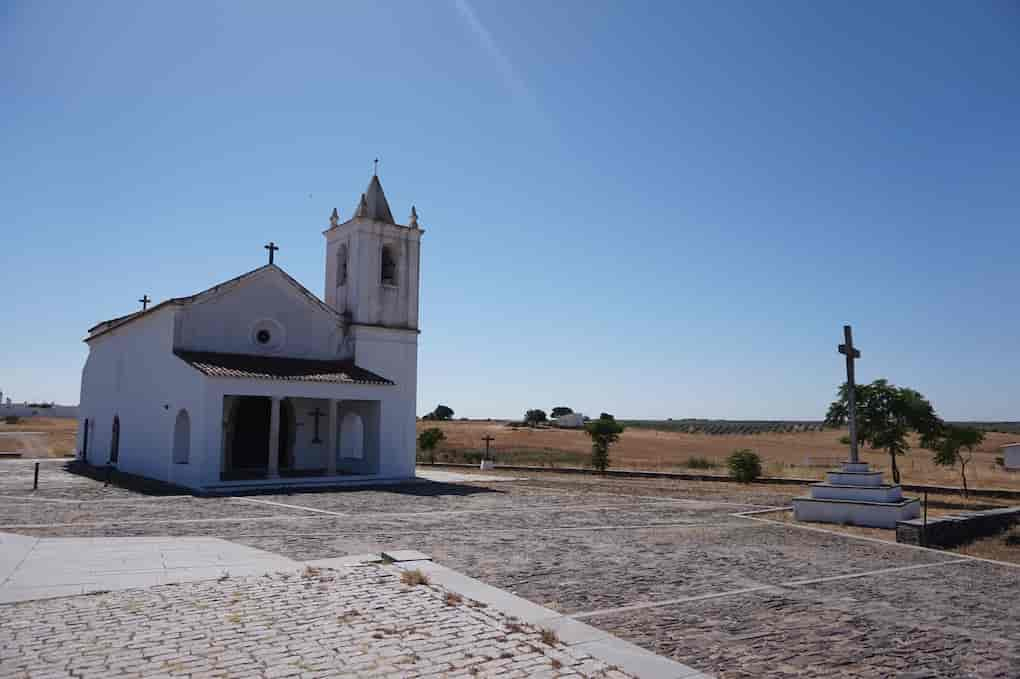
145, 302
272, 247
488, 439
851, 354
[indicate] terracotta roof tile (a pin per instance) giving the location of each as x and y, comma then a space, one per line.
246, 366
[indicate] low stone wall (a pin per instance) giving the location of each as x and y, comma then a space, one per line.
950, 531
691, 476
17, 410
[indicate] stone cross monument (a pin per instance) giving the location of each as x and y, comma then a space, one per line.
855, 494
851, 354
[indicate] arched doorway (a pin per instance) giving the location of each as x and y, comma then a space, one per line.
115, 440
352, 437
182, 437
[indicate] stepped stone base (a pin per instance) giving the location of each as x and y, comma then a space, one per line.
856, 496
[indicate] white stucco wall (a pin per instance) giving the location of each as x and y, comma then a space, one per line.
393, 354
131, 373
225, 322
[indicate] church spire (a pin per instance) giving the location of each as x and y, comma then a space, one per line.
373, 203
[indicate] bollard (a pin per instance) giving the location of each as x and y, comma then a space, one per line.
35, 482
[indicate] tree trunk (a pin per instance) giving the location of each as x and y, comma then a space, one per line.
895, 469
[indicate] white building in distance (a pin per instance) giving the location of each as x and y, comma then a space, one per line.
570, 421
256, 381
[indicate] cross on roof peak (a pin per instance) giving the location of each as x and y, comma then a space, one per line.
272, 247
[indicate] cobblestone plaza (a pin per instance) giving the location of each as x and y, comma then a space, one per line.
677, 568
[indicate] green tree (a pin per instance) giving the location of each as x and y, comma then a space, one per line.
604, 432
560, 411
428, 439
950, 446
606, 416
440, 413
745, 466
533, 417
886, 415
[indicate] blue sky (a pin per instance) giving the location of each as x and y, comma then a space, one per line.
656, 209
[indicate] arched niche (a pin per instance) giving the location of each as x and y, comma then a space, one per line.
182, 437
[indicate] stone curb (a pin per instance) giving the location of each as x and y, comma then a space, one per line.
629, 657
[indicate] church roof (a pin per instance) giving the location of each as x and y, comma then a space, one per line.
107, 325
246, 366
373, 204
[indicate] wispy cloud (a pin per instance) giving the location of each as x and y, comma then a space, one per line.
509, 74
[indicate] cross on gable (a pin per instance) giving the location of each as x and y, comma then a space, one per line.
145, 302
272, 247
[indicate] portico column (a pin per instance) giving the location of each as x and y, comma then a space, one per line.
274, 438
331, 448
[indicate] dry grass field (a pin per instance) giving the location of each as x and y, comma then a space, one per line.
797, 454
58, 439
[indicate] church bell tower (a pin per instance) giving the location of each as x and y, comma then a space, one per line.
372, 264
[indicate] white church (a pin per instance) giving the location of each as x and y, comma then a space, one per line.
258, 382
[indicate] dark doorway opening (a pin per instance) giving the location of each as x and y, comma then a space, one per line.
286, 435
249, 443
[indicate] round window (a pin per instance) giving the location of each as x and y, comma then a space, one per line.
267, 335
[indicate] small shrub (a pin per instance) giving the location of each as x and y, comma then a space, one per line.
700, 463
12, 419
745, 466
549, 637
556, 664
414, 578
1000, 462
427, 442
453, 599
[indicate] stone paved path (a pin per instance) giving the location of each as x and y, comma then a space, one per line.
351, 621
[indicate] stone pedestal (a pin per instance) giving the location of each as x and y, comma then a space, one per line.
487, 465
855, 495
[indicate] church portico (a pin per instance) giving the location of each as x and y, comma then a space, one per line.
271, 436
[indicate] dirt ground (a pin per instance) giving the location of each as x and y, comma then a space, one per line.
57, 439
799, 454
